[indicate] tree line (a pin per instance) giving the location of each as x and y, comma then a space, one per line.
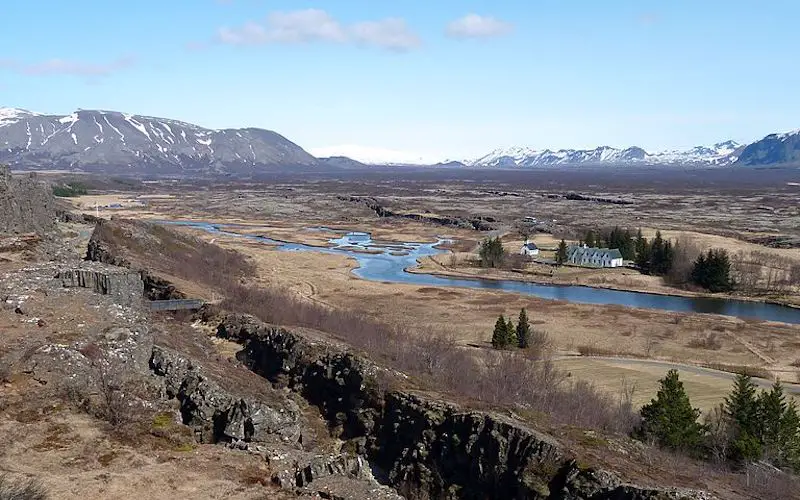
678, 262
748, 427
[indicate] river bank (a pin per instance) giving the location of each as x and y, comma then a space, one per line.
433, 266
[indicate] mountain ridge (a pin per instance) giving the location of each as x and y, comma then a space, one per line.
114, 142
101, 140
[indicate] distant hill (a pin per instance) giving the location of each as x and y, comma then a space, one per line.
119, 143
114, 143
773, 149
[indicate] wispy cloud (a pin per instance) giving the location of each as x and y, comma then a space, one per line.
315, 25
648, 18
476, 26
69, 67
391, 33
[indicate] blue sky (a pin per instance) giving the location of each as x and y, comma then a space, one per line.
414, 78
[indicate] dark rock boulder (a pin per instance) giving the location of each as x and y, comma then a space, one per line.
219, 415
26, 205
124, 285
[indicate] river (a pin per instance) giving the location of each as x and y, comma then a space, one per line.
388, 263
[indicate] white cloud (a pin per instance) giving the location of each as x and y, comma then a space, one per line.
303, 26
475, 26
390, 33
68, 67
315, 25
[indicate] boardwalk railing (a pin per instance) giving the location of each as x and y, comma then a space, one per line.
175, 305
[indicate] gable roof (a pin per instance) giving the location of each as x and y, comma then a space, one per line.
530, 246
578, 252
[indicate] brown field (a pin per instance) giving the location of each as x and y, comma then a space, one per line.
710, 213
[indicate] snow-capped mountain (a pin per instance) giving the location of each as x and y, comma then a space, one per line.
723, 153
772, 149
114, 142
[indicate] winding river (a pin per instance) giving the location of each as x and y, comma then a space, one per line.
388, 262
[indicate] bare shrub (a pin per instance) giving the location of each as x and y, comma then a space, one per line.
685, 252
106, 392
498, 378
21, 489
765, 481
796, 363
720, 434
539, 343
514, 261
708, 342
764, 272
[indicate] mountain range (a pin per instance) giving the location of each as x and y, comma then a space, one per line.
120, 143
113, 142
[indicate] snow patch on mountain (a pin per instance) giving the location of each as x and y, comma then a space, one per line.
115, 142
9, 116
523, 156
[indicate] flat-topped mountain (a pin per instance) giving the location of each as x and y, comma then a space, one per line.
120, 143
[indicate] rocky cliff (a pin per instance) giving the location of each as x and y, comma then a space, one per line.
425, 448
26, 205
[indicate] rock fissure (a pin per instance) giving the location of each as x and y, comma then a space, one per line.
427, 448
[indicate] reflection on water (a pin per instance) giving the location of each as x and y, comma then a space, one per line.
388, 263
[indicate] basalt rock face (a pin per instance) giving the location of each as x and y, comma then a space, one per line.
124, 285
26, 205
217, 415
426, 448
155, 288
339, 383
477, 222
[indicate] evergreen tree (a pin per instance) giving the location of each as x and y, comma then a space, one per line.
668, 257
492, 252
712, 271
561, 253
642, 253
772, 407
790, 437
590, 239
657, 255
511, 334
523, 330
626, 247
741, 405
670, 420
742, 408
500, 334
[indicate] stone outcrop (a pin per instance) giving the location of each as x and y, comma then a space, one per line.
26, 205
426, 448
124, 285
219, 415
477, 222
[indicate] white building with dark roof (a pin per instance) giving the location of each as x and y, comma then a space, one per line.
529, 248
594, 257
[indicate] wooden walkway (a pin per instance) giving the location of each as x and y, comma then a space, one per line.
175, 305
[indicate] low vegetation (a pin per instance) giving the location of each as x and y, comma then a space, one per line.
492, 253
750, 427
497, 378
712, 271
70, 190
21, 489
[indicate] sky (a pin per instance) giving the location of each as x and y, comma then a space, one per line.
406, 80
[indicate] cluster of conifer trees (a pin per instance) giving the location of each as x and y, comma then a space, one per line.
507, 336
749, 426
